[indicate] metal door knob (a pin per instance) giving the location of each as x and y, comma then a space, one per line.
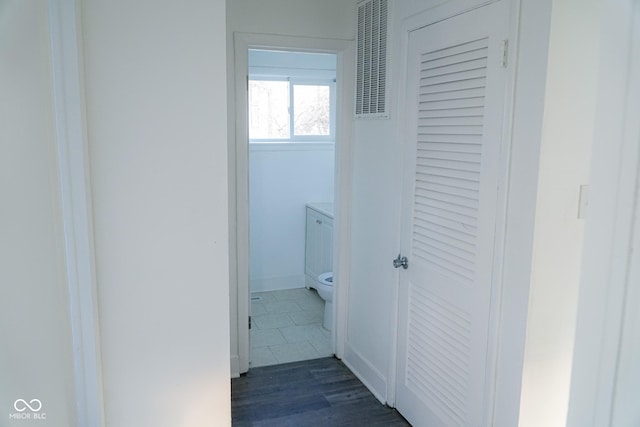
401, 261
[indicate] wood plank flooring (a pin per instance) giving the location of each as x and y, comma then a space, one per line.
320, 392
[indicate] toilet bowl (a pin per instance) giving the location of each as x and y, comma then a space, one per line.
325, 290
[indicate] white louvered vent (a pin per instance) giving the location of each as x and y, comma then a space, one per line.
439, 352
450, 116
371, 60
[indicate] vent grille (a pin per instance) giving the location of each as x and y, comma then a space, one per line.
371, 61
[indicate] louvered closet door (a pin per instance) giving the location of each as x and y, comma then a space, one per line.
454, 114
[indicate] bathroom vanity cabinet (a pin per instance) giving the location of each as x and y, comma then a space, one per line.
319, 242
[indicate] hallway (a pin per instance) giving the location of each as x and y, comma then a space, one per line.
320, 392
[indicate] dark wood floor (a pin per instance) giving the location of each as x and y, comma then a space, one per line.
320, 392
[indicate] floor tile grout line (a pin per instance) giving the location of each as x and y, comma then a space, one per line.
312, 344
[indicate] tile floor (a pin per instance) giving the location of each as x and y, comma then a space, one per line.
287, 327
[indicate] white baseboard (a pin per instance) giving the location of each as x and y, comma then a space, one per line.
310, 282
266, 284
235, 366
369, 375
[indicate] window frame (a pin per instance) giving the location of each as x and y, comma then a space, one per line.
296, 81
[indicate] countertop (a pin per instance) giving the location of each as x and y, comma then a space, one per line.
325, 208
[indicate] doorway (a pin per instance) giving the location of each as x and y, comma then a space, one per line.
291, 132
253, 260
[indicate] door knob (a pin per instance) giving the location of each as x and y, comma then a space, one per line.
401, 261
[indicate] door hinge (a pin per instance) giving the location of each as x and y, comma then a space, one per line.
505, 53
249, 322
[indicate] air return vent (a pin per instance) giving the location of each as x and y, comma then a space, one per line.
371, 61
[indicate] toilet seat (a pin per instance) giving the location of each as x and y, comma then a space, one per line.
326, 278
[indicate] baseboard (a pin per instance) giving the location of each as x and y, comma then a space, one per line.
310, 282
266, 284
235, 366
369, 375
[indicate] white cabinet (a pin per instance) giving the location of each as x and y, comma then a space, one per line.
318, 246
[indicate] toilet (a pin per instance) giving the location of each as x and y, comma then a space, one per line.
325, 290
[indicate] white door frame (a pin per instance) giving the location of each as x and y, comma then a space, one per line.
75, 191
239, 183
608, 325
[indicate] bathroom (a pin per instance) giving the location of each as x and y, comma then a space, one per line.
291, 123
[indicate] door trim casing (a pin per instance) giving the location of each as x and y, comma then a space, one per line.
239, 183
75, 193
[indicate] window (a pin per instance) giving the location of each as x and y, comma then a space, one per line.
269, 109
287, 110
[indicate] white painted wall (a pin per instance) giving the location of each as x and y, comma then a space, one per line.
605, 388
331, 19
569, 111
36, 356
305, 18
283, 178
375, 243
156, 112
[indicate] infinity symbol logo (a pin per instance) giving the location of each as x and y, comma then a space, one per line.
21, 405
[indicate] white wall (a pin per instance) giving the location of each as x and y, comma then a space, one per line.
569, 111
36, 356
156, 112
283, 178
605, 388
375, 242
306, 18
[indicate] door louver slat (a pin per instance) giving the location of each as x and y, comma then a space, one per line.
452, 51
450, 112
448, 104
436, 146
454, 86
466, 65
460, 156
461, 58
446, 76
450, 121
464, 220
450, 139
432, 372
454, 95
